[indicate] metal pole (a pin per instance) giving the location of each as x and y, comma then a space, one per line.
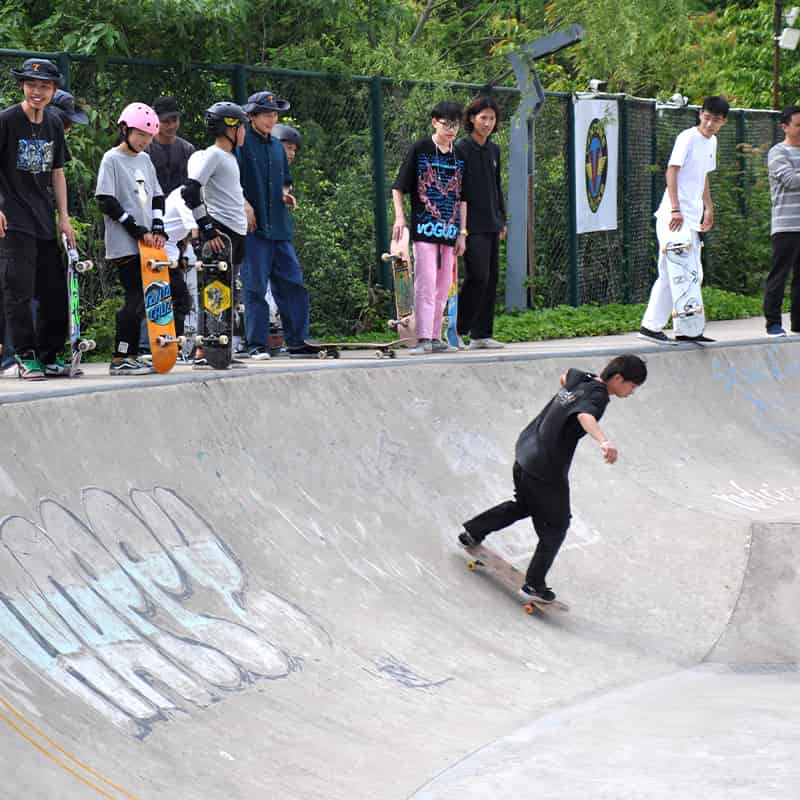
62, 59
239, 83
626, 194
572, 216
776, 65
379, 180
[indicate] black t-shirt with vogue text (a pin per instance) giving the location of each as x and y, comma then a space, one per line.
546, 447
29, 153
433, 179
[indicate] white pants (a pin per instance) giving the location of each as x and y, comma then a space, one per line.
659, 308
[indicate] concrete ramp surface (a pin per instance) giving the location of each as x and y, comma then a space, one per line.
249, 587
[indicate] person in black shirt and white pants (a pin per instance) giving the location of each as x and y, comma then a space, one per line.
543, 456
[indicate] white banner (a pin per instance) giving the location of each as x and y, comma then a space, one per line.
596, 158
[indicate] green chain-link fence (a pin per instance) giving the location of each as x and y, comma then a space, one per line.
356, 131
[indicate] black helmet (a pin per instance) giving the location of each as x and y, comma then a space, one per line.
286, 133
224, 115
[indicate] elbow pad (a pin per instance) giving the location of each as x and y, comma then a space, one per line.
192, 194
111, 207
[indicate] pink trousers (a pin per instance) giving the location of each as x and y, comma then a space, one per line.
433, 273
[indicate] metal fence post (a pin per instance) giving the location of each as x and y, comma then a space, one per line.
741, 134
573, 223
379, 179
63, 61
623, 162
239, 83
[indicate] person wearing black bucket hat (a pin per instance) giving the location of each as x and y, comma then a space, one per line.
270, 259
63, 103
32, 189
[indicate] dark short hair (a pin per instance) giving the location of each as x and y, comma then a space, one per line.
716, 104
448, 110
787, 114
630, 367
481, 103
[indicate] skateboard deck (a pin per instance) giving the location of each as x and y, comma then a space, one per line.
158, 311
480, 558
216, 285
451, 309
332, 349
403, 281
78, 345
685, 272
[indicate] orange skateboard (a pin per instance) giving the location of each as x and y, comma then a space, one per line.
158, 307
481, 557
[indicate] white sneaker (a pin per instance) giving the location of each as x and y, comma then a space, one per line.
485, 344
129, 366
260, 354
423, 347
441, 346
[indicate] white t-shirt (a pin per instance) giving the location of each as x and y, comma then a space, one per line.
696, 156
218, 173
132, 180
178, 223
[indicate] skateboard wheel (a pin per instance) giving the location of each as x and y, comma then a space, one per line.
393, 354
222, 266
181, 340
86, 344
530, 608
386, 257
198, 339
378, 354
322, 354
84, 266
472, 566
223, 340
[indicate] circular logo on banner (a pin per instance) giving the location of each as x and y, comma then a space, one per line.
596, 163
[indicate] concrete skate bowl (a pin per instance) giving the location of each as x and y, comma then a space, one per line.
255, 591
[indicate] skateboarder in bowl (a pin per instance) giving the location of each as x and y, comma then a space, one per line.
543, 456
686, 203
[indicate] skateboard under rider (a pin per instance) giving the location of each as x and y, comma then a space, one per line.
217, 306
685, 273
480, 557
403, 281
158, 311
78, 345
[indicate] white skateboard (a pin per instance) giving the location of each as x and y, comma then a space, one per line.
685, 272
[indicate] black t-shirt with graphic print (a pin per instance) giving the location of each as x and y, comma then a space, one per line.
546, 447
28, 155
433, 180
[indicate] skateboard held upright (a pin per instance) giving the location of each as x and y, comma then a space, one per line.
78, 345
158, 311
216, 284
451, 309
685, 272
403, 279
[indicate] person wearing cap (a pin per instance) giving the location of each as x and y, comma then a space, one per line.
63, 103
168, 151
32, 189
270, 259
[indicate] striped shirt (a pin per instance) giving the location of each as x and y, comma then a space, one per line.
783, 163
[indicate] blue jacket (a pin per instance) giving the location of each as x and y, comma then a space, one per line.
264, 170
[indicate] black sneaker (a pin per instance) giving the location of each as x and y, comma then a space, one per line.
467, 539
659, 337
303, 350
696, 339
543, 594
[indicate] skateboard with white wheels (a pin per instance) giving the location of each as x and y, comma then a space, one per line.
332, 349
685, 272
158, 311
78, 344
399, 256
508, 576
216, 282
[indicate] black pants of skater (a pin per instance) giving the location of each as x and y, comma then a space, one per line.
548, 506
33, 268
130, 316
181, 299
785, 260
478, 295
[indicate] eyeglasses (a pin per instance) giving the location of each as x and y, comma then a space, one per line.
450, 126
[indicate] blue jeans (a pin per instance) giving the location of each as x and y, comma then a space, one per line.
269, 262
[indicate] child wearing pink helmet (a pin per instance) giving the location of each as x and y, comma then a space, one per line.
132, 203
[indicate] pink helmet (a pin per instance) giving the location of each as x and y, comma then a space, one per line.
141, 117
